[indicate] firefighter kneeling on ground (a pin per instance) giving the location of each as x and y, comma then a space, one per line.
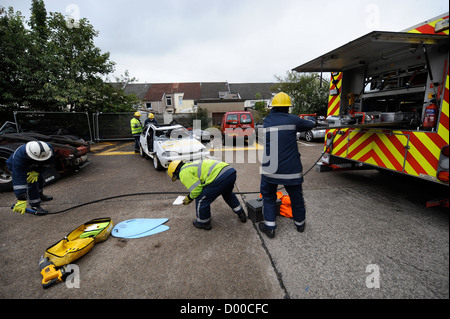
281, 163
26, 165
206, 180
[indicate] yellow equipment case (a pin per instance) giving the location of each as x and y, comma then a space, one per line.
79, 241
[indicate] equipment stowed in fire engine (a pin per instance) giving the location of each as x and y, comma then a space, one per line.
431, 115
75, 245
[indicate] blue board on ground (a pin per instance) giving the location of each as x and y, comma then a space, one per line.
153, 231
134, 227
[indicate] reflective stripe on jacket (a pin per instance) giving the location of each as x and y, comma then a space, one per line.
198, 174
281, 159
136, 126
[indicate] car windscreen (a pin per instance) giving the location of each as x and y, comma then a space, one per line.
177, 133
246, 119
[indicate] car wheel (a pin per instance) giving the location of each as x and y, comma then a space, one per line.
156, 163
5, 174
309, 136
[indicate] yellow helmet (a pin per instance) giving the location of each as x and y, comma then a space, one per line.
281, 99
137, 114
172, 168
151, 116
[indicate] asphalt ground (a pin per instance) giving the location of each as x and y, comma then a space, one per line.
368, 236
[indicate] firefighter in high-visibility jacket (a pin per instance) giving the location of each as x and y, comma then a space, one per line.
136, 130
281, 163
205, 181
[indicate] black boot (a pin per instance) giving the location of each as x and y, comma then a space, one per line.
301, 228
269, 232
242, 217
39, 211
205, 226
45, 198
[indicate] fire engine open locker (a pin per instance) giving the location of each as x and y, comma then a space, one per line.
389, 101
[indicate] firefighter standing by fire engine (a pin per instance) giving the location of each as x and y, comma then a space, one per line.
281, 163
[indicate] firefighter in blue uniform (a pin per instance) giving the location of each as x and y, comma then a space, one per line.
26, 165
281, 163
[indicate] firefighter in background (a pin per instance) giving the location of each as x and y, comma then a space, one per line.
26, 165
136, 130
206, 180
150, 120
281, 163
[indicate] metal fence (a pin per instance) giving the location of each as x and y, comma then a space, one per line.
95, 127
54, 123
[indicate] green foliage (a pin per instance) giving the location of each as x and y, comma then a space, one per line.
304, 89
54, 65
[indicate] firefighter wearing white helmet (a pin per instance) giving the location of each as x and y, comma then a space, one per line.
26, 165
281, 163
136, 130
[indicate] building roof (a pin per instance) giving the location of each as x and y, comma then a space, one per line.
248, 91
192, 91
139, 89
199, 90
210, 90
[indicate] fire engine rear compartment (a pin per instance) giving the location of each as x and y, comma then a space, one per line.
388, 78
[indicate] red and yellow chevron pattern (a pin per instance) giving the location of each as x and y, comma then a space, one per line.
429, 28
334, 101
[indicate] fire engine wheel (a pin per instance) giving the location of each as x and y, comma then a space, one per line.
156, 163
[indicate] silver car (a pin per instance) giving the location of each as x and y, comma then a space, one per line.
316, 133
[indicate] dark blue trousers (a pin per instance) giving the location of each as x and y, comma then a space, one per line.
269, 194
222, 185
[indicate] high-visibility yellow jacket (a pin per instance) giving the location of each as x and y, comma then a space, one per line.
136, 126
199, 174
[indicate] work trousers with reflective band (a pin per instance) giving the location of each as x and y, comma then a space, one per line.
222, 185
269, 194
137, 142
33, 191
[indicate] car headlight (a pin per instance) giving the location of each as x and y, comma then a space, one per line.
169, 154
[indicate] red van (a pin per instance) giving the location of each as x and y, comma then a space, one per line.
238, 124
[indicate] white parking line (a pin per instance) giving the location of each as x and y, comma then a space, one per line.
306, 144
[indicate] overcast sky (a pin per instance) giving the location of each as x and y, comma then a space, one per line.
230, 40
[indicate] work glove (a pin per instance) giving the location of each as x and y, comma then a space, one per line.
187, 200
20, 207
32, 177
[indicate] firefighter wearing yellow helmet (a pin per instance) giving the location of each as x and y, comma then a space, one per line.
136, 130
206, 180
150, 120
281, 163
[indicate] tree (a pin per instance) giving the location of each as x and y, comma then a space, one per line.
261, 106
306, 93
54, 65
14, 46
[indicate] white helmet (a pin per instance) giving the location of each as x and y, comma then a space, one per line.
39, 151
